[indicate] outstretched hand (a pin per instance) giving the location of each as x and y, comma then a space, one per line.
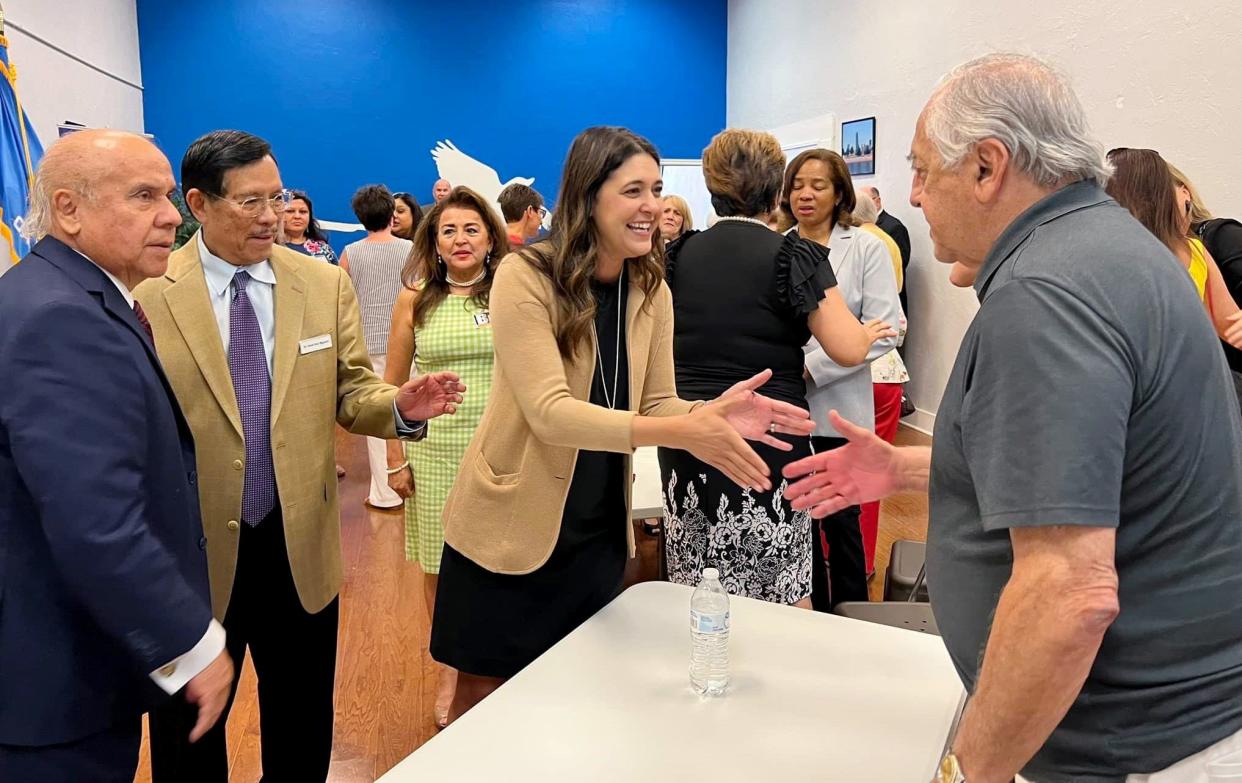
429, 396
863, 470
760, 418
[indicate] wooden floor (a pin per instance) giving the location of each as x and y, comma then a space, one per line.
385, 682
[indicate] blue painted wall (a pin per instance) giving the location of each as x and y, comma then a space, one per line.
356, 91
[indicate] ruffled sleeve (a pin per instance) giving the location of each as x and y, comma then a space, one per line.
671, 251
803, 274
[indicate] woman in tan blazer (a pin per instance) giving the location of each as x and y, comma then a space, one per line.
537, 524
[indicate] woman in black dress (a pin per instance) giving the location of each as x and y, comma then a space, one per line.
537, 524
747, 298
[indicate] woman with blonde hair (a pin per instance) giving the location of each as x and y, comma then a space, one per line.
1222, 237
537, 526
675, 218
745, 298
1143, 183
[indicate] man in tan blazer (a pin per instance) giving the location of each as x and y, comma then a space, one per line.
265, 351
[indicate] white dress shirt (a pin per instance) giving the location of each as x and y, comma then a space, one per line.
261, 292
172, 676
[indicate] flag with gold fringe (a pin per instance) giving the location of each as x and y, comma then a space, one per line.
19, 154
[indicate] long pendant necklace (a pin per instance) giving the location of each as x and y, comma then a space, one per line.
611, 399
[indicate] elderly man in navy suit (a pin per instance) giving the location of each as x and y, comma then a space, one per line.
103, 575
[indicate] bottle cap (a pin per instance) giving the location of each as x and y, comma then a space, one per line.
711, 573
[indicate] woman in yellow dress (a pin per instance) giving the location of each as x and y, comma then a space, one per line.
1143, 184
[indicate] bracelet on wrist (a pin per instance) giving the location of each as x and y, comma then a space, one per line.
398, 468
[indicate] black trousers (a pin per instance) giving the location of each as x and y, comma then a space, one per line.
294, 656
841, 573
111, 756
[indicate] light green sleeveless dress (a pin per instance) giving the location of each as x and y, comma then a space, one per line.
456, 337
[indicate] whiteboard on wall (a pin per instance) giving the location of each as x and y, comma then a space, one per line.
796, 137
684, 177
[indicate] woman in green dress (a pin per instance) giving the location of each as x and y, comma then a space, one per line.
440, 321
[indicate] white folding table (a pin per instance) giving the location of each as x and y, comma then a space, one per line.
813, 697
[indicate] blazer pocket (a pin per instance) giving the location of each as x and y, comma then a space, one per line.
492, 477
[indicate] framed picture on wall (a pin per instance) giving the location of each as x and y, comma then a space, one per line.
858, 146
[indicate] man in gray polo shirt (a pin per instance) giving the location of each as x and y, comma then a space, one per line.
1085, 535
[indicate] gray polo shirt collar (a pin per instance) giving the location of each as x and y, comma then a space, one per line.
1070, 198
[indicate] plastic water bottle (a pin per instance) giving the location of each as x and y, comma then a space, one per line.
709, 631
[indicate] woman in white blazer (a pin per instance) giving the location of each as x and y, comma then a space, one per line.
819, 194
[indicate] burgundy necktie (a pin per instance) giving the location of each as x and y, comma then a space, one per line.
142, 319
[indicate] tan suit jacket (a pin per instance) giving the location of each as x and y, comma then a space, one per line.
311, 392
504, 511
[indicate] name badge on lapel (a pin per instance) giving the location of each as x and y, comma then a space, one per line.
482, 319
312, 344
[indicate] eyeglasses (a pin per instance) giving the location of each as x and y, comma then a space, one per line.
543, 213
253, 206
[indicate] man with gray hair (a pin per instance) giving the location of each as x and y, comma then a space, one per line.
103, 578
1085, 522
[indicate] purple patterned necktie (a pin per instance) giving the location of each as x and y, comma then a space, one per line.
253, 386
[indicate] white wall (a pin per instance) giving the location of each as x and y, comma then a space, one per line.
1150, 74
53, 87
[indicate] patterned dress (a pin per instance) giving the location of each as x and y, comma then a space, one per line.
741, 297
456, 337
315, 249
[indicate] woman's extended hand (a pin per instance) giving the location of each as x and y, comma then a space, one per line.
708, 434
756, 417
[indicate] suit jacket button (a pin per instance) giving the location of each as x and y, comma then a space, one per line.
192, 476
237, 464
169, 670
233, 524
202, 542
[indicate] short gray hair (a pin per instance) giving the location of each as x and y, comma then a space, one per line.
1024, 104
38, 221
63, 167
864, 209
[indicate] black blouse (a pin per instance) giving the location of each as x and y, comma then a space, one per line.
741, 296
597, 493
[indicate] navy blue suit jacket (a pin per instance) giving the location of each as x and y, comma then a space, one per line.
103, 573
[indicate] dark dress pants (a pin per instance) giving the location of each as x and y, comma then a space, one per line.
294, 656
840, 574
111, 756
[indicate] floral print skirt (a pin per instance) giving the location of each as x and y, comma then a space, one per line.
760, 545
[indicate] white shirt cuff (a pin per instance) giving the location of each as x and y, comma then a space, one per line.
173, 676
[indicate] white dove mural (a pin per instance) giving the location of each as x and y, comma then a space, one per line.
460, 169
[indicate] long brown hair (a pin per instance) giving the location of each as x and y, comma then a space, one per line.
570, 253
1143, 184
424, 267
838, 174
